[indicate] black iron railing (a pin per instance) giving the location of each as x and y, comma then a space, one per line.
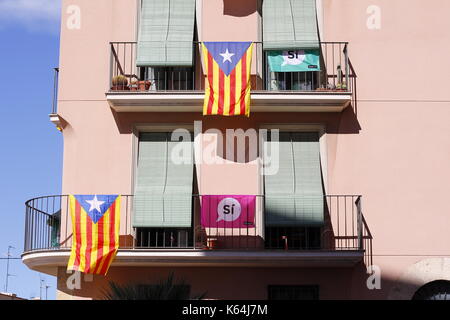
335, 75
48, 227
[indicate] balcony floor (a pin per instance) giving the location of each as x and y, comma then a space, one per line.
262, 101
47, 261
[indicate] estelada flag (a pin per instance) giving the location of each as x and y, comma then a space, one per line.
227, 81
95, 225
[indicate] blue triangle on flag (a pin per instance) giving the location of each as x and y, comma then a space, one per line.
227, 54
92, 203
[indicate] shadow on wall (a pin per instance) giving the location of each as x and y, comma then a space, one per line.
334, 283
346, 123
236, 8
392, 288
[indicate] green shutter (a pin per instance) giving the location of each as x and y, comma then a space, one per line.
163, 193
290, 24
178, 191
166, 33
294, 195
279, 188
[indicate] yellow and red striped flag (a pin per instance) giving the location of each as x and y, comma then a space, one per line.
227, 81
95, 225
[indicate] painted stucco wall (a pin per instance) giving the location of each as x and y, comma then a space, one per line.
218, 283
394, 152
399, 160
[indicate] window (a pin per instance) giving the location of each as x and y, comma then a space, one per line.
293, 238
294, 292
165, 49
164, 237
292, 81
294, 195
435, 290
291, 45
169, 78
163, 191
166, 33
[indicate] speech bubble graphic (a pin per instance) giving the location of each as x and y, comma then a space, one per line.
228, 209
293, 57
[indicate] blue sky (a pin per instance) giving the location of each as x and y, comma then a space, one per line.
31, 147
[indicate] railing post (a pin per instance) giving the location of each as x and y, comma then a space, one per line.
347, 69
360, 223
25, 242
194, 233
111, 67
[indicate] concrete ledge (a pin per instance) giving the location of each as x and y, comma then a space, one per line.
48, 261
262, 101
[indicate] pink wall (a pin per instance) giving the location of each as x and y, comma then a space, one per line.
399, 160
395, 152
230, 20
85, 52
96, 156
221, 283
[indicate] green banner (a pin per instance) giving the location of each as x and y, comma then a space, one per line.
294, 60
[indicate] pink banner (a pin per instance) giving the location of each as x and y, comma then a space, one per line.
228, 211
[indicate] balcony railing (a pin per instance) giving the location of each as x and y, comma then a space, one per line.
336, 73
48, 227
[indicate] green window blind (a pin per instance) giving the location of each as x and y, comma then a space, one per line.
166, 33
163, 193
290, 24
294, 195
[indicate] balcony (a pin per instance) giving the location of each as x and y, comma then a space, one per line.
342, 241
177, 89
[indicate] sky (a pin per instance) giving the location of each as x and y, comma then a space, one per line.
30, 146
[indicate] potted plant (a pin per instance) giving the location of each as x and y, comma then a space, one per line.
120, 83
134, 86
166, 289
341, 86
326, 87
144, 85
140, 85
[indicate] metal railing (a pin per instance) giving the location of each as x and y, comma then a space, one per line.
335, 73
48, 227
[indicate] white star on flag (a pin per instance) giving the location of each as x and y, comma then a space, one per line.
226, 56
95, 204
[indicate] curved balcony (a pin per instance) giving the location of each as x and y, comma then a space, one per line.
343, 240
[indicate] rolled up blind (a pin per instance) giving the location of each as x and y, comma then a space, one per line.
163, 193
166, 33
294, 195
290, 24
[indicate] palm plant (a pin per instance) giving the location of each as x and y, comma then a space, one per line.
165, 290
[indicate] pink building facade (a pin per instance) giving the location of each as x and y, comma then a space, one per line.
371, 127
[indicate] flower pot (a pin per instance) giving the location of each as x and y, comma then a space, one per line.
201, 246
120, 87
144, 85
213, 244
